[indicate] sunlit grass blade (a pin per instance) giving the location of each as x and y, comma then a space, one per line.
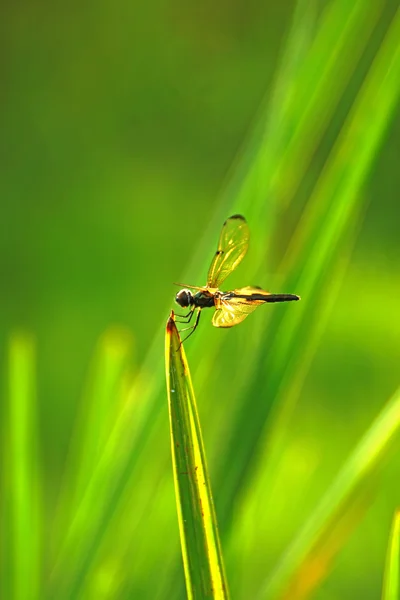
21, 450
319, 241
391, 586
100, 404
340, 40
320, 57
352, 480
103, 398
106, 399
202, 557
313, 254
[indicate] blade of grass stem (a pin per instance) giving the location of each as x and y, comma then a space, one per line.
273, 443
98, 409
23, 470
365, 459
201, 551
313, 252
346, 30
102, 400
81, 509
319, 561
391, 586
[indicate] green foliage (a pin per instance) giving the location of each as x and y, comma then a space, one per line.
23, 541
391, 590
88, 508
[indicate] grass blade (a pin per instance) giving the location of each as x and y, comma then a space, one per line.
314, 253
100, 404
202, 557
350, 482
106, 399
102, 400
391, 586
23, 471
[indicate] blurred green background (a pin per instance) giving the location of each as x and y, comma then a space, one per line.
120, 125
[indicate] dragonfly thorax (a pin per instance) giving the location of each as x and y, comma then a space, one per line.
184, 298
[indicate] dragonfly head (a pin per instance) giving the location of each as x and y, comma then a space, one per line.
184, 298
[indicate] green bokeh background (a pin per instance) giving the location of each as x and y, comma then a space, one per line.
120, 122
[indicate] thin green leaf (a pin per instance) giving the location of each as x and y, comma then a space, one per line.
352, 480
201, 551
313, 254
391, 586
106, 399
22, 464
100, 404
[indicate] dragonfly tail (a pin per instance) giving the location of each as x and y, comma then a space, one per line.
280, 297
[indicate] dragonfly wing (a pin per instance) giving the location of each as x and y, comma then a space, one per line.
234, 310
249, 290
232, 246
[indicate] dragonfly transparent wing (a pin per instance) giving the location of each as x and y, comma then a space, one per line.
232, 246
236, 306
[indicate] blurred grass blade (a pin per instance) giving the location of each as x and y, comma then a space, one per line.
102, 401
106, 400
313, 254
22, 465
337, 202
350, 483
319, 562
391, 586
98, 409
202, 557
320, 57
340, 40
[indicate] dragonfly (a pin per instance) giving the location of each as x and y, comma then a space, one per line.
231, 307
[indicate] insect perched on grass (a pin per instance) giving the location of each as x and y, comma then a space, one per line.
232, 307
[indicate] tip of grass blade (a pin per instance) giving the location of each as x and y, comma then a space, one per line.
200, 545
171, 330
391, 581
171, 323
172, 338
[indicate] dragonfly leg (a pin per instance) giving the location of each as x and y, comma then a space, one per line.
192, 327
188, 317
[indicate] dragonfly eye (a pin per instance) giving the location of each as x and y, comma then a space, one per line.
184, 298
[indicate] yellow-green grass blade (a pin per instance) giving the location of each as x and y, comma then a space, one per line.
201, 551
107, 398
280, 142
320, 57
351, 481
259, 194
103, 398
274, 444
391, 586
344, 32
101, 402
332, 208
20, 464
314, 251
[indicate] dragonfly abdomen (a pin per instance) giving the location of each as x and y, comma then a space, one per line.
268, 297
280, 297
